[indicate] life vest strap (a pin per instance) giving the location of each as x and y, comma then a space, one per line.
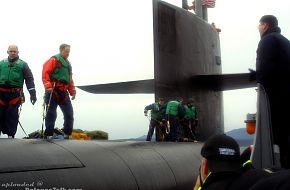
11, 102
10, 89
2, 103
15, 100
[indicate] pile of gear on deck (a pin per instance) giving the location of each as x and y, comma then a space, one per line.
77, 134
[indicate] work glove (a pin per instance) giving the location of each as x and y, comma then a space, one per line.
73, 97
252, 74
32, 96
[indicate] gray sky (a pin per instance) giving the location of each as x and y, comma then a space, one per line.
112, 41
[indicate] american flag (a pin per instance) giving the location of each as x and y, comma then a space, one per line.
208, 3
205, 3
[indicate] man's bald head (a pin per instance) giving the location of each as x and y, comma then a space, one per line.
12, 47
12, 51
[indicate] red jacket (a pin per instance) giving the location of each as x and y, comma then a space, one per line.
48, 68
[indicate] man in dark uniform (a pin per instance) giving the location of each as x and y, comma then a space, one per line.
273, 72
13, 73
221, 166
157, 114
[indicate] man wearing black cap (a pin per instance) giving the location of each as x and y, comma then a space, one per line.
273, 72
221, 166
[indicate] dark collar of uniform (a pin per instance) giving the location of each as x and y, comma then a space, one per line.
220, 179
275, 29
13, 60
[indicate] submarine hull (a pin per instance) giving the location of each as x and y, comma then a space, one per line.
97, 164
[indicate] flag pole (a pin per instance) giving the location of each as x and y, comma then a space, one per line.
184, 4
204, 13
198, 8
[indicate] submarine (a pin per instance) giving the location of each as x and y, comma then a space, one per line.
187, 62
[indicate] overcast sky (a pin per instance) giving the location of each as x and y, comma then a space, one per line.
112, 41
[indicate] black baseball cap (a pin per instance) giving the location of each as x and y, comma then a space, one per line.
222, 153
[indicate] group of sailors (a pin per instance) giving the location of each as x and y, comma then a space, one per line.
58, 84
174, 120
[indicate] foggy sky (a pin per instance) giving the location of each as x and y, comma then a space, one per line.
112, 41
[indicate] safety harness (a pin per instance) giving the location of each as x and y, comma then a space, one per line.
13, 101
60, 96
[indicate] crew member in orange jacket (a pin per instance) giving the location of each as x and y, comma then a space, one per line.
58, 84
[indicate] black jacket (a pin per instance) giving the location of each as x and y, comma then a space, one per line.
29, 80
273, 72
273, 60
239, 180
277, 181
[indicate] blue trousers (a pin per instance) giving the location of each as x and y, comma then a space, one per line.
61, 99
174, 128
150, 132
9, 113
9, 119
158, 132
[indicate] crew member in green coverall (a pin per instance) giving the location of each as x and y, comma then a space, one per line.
157, 113
189, 122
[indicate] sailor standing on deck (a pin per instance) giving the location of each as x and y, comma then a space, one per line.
13, 73
58, 84
174, 111
157, 113
273, 72
189, 122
